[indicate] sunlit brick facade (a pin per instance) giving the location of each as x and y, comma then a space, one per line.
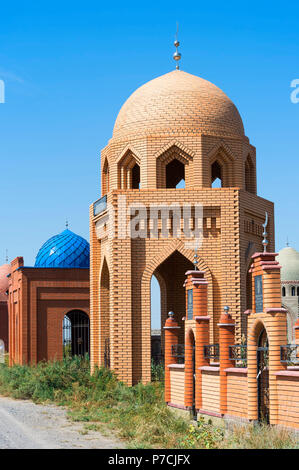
176, 127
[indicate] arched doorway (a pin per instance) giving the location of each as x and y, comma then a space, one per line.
105, 314
171, 275
156, 324
2, 351
75, 334
263, 376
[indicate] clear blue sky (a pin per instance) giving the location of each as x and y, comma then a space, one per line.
69, 66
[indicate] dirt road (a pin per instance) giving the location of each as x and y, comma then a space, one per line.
24, 425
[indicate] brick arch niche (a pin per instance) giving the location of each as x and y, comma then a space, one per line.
169, 268
174, 165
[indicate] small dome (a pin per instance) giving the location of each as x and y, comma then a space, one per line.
288, 258
4, 271
65, 250
178, 102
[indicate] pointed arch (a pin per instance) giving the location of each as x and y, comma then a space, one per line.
173, 164
128, 171
221, 165
157, 264
104, 308
105, 177
250, 175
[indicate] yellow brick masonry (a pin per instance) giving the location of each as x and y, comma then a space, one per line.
177, 116
132, 263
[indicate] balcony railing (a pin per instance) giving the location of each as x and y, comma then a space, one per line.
100, 206
211, 351
238, 353
289, 354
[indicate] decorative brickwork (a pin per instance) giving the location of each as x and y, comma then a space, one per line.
184, 119
255, 386
39, 298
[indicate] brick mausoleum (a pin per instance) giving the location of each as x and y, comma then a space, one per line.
174, 141
49, 303
4, 272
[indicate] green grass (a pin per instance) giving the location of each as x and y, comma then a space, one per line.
136, 414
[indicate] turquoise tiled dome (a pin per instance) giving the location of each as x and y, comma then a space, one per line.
65, 250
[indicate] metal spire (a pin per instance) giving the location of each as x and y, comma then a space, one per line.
265, 234
177, 56
66, 224
6, 255
288, 241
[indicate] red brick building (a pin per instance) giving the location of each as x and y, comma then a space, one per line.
4, 272
49, 303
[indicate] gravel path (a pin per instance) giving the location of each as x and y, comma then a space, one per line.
25, 425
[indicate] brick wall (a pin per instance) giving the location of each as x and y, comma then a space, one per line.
39, 298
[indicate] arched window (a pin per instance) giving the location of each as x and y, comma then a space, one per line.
293, 291
283, 291
216, 175
221, 168
249, 175
105, 178
175, 174
128, 172
174, 169
298, 291
136, 176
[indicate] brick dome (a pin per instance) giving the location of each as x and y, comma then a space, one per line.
178, 102
4, 271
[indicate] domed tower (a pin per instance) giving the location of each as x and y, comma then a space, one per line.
288, 258
177, 141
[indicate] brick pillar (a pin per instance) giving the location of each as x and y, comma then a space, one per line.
226, 339
171, 338
266, 312
296, 327
189, 343
196, 282
202, 338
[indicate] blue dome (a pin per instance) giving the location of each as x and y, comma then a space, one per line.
65, 250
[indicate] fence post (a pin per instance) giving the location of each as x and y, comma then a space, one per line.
226, 339
198, 320
296, 327
171, 338
267, 313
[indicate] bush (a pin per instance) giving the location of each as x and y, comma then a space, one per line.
157, 371
138, 413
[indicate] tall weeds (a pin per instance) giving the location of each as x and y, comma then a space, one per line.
138, 414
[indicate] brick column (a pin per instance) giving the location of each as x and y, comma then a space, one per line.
188, 370
202, 337
268, 313
171, 338
296, 327
226, 339
196, 282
